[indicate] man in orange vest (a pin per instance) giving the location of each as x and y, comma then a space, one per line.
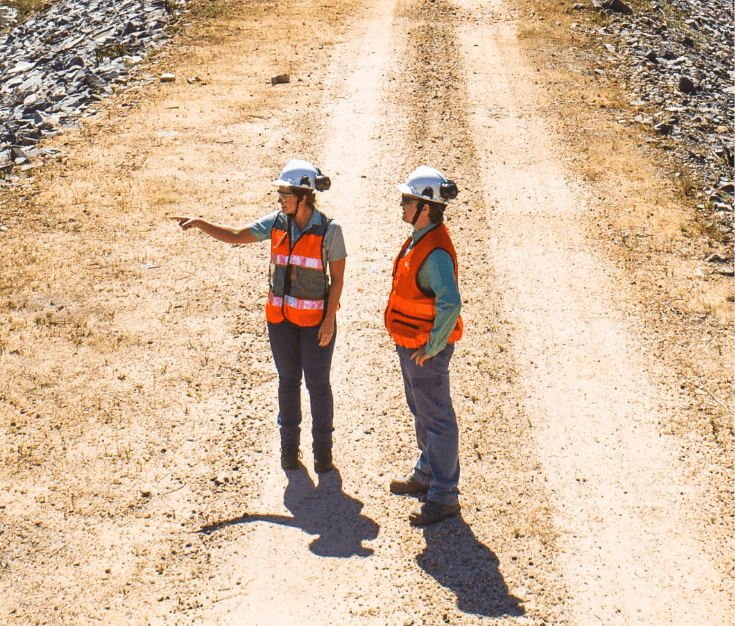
423, 318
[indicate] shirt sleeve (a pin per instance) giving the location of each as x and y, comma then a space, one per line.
334, 243
261, 229
437, 275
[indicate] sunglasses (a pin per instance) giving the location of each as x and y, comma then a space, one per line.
285, 194
406, 200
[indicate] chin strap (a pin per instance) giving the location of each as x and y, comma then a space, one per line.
416, 215
288, 229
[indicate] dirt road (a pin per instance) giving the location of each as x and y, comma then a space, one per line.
141, 380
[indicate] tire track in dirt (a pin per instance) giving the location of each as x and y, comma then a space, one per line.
297, 582
499, 560
623, 506
379, 120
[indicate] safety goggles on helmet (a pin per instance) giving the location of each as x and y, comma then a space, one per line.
302, 174
428, 183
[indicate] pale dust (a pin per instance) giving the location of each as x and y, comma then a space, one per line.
574, 507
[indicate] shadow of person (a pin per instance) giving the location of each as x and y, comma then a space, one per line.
457, 560
323, 510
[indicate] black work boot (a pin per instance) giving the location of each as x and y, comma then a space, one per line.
322, 459
290, 456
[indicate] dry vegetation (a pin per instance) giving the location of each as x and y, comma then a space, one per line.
644, 213
26, 7
98, 341
95, 345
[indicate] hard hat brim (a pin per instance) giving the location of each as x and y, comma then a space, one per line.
285, 183
406, 191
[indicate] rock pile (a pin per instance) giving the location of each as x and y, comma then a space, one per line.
53, 65
677, 61
8, 15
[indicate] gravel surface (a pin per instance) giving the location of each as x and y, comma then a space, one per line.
675, 59
139, 476
58, 63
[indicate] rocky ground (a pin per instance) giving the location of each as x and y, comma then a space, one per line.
139, 473
674, 61
59, 63
674, 58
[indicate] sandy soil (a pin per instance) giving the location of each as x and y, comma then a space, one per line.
588, 388
141, 480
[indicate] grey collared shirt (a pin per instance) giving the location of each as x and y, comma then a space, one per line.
334, 242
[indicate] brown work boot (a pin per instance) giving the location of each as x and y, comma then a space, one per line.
407, 486
290, 456
432, 512
322, 459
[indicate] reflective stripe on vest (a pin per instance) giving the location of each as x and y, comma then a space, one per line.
295, 259
295, 303
410, 314
298, 280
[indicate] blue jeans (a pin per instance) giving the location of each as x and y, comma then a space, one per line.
428, 398
295, 350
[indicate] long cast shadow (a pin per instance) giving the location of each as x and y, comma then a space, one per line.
457, 560
322, 509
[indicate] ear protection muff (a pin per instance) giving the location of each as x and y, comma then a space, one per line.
448, 190
322, 182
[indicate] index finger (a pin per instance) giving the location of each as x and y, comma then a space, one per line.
177, 217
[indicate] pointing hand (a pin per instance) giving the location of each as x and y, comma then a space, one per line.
185, 222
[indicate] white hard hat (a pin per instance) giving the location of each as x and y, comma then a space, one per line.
428, 183
298, 173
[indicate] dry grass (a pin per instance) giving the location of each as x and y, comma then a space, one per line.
26, 7
647, 220
650, 213
111, 340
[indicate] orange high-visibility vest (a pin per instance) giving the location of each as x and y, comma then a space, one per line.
410, 314
298, 279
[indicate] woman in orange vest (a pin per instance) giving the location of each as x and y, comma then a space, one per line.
306, 279
423, 318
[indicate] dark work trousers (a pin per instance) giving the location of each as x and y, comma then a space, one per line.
295, 350
437, 433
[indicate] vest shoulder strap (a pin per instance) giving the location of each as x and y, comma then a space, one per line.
401, 254
319, 229
281, 222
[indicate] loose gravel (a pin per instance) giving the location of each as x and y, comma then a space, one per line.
56, 65
675, 60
